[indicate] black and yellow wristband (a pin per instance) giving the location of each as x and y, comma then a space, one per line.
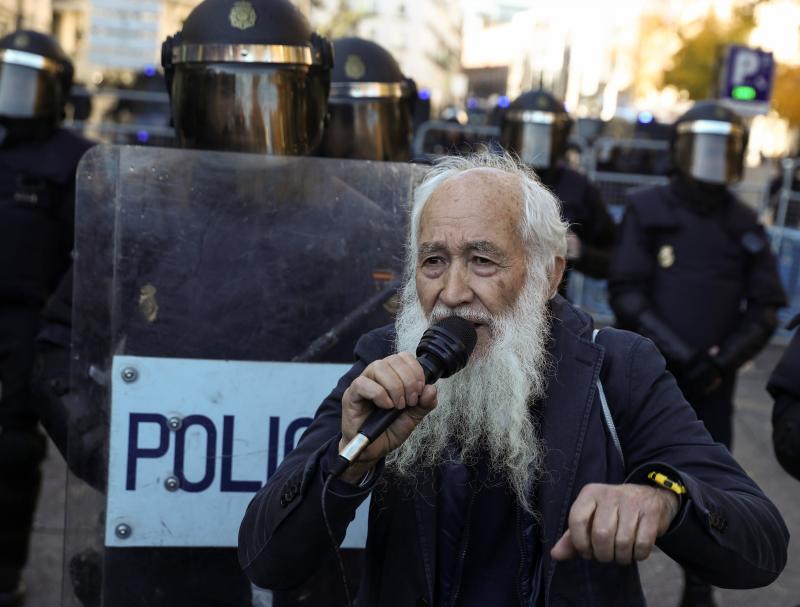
662, 480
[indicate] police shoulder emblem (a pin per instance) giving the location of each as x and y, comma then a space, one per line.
666, 256
354, 67
243, 15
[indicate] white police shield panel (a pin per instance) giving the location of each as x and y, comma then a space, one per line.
218, 299
191, 441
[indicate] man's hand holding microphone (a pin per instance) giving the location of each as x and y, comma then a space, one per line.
394, 383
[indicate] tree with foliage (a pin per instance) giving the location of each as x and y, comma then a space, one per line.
345, 20
786, 94
694, 66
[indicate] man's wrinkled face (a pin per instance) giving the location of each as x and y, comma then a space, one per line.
470, 254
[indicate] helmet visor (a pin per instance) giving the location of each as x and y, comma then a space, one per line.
538, 138
368, 129
710, 151
249, 107
28, 93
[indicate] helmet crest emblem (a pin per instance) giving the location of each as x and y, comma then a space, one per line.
21, 40
243, 15
354, 67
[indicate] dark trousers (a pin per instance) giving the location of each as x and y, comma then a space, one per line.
22, 446
715, 410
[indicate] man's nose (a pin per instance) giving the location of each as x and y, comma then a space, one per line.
457, 290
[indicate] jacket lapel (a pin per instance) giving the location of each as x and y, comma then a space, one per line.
565, 414
425, 512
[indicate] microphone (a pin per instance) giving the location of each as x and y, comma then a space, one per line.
443, 350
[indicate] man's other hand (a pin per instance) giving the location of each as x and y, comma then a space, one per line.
395, 382
616, 523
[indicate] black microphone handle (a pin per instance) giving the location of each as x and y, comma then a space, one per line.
379, 421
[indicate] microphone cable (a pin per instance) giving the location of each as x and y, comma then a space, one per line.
336, 549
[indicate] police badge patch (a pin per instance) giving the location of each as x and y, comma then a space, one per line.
666, 256
243, 15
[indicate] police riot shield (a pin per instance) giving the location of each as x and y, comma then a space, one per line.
217, 300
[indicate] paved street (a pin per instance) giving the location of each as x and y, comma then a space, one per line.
661, 576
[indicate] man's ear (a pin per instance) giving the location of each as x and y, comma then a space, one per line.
558, 273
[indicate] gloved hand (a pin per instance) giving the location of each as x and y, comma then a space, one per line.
700, 376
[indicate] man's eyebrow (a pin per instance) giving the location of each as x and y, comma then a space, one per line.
428, 248
480, 246
484, 246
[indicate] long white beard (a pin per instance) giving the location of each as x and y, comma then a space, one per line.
489, 408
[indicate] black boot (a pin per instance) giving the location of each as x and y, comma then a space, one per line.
697, 592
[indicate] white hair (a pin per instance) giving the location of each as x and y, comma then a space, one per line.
542, 229
489, 408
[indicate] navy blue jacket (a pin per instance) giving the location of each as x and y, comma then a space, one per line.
727, 531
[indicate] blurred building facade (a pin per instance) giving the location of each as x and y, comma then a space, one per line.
583, 52
425, 37
117, 37
28, 14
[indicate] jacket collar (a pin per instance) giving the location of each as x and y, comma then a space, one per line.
564, 418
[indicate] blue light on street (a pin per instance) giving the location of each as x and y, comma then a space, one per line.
645, 117
143, 136
424, 94
472, 103
503, 102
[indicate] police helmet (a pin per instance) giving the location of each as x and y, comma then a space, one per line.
536, 127
35, 80
248, 76
371, 104
708, 144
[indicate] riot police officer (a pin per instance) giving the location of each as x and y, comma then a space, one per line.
371, 104
536, 127
694, 272
784, 386
244, 76
37, 180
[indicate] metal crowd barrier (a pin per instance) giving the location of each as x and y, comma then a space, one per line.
787, 211
437, 137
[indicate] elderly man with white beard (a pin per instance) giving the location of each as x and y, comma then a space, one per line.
506, 484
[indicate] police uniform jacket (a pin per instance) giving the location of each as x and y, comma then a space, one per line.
37, 200
709, 275
727, 530
37, 209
